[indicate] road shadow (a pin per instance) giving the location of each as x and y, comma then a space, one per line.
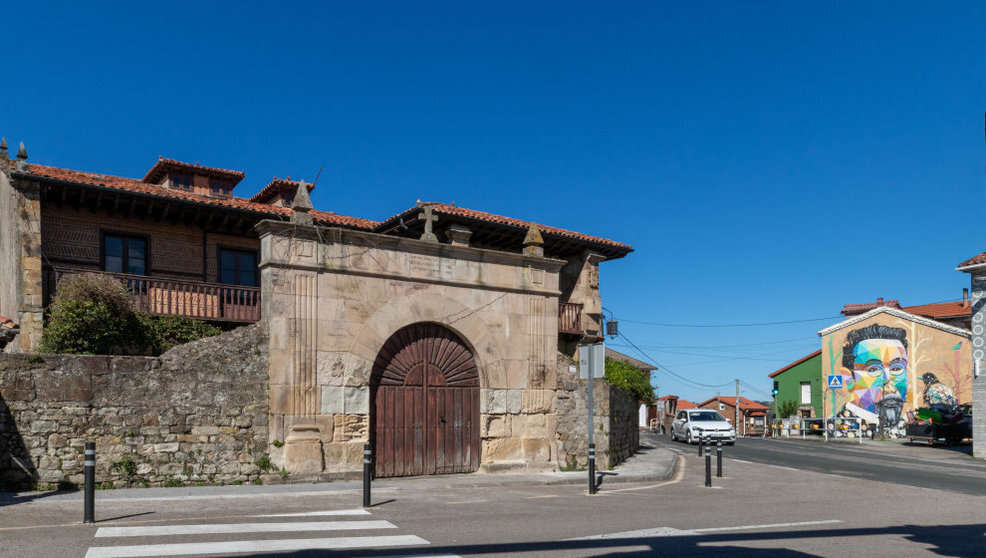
943, 540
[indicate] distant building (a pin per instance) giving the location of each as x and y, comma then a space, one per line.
747, 416
801, 382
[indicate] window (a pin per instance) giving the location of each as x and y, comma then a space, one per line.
806, 393
181, 181
220, 188
125, 254
238, 267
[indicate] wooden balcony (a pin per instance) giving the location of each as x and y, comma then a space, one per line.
173, 297
570, 318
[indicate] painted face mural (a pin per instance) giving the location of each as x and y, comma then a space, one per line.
876, 358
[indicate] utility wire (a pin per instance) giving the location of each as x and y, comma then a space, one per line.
663, 368
754, 324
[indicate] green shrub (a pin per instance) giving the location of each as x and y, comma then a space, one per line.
92, 313
787, 408
630, 378
165, 332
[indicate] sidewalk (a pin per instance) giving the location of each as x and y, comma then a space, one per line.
648, 465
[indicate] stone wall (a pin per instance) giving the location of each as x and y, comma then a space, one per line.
20, 259
335, 297
198, 413
615, 420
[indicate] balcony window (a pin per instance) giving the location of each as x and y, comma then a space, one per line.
124, 254
238, 267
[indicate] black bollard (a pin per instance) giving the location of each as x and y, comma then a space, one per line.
592, 468
367, 471
89, 511
719, 457
708, 462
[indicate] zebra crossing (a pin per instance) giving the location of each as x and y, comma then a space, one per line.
320, 522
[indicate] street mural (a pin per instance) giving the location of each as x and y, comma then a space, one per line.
890, 371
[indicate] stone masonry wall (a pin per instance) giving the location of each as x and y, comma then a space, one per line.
197, 414
615, 420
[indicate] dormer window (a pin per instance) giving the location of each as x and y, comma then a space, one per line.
181, 182
221, 188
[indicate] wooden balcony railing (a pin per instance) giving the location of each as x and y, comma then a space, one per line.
569, 318
192, 299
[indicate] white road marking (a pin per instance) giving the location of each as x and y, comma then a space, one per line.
770, 526
230, 547
672, 532
306, 514
465, 502
216, 496
203, 529
655, 532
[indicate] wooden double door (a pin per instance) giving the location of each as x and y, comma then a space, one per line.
425, 390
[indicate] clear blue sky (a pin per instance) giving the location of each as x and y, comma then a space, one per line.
768, 161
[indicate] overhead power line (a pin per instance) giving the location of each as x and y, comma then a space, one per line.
666, 370
752, 324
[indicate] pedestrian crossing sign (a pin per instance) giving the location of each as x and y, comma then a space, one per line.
835, 381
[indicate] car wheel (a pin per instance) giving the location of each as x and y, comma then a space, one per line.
673, 437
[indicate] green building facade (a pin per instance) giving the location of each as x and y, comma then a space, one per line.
801, 382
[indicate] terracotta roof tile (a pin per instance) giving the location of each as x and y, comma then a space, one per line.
442, 208
7, 323
795, 363
853, 309
686, 404
165, 166
233, 203
744, 403
981, 258
276, 186
951, 309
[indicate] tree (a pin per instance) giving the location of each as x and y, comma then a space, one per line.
630, 378
787, 408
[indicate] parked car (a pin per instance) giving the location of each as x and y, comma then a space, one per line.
691, 424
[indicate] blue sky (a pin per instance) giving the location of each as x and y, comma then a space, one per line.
769, 162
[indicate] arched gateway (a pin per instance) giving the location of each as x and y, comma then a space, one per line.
425, 393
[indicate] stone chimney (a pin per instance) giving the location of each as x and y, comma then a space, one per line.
965, 298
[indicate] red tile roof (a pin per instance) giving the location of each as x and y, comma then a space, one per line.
744, 403
795, 363
981, 258
446, 209
7, 323
686, 404
165, 166
233, 203
854, 309
952, 309
276, 186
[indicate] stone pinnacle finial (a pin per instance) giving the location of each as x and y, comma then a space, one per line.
429, 234
301, 205
3, 146
533, 242
22, 153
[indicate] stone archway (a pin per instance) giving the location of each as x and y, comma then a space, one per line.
425, 404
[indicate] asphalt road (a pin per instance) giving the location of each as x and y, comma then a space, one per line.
921, 465
756, 509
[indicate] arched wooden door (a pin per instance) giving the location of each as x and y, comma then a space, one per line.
425, 389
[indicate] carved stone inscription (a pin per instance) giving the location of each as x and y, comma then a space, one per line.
423, 266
